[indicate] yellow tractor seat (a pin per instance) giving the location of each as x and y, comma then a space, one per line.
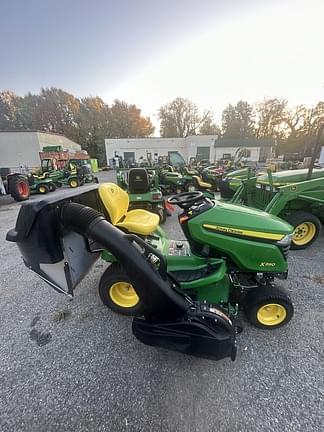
200, 183
116, 202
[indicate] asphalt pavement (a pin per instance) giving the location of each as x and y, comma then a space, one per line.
73, 365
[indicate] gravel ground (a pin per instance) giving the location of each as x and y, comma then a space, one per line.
74, 365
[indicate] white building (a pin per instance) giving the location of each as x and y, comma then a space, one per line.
20, 149
196, 146
321, 159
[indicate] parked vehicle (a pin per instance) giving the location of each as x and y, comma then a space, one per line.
142, 187
20, 186
185, 298
294, 195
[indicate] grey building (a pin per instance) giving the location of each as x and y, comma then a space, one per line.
19, 150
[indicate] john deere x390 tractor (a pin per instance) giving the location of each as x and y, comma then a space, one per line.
185, 295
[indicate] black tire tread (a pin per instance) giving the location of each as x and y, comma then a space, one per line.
47, 189
115, 272
14, 188
266, 294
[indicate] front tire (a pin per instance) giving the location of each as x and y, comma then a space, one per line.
268, 307
42, 189
117, 293
307, 228
73, 183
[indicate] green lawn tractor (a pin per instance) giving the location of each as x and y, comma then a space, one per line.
171, 181
186, 295
230, 257
73, 173
21, 186
143, 190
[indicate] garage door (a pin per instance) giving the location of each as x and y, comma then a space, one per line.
129, 156
203, 153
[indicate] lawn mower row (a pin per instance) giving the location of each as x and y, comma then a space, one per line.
294, 195
21, 186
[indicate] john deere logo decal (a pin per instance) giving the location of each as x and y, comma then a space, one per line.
243, 232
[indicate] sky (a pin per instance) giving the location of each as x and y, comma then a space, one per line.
148, 52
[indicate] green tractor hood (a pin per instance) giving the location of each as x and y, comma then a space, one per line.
239, 173
283, 178
253, 239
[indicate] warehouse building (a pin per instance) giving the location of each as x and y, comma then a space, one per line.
19, 150
321, 159
209, 147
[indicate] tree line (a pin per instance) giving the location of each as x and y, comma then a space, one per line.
293, 129
90, 120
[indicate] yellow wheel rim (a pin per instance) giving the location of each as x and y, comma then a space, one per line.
42, 189
123, 294
73, 183
304, 233
271, 314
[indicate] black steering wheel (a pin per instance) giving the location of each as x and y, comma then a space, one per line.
186, 199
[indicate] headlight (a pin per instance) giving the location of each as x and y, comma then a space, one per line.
286, 240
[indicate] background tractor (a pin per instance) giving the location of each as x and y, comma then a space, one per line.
294, 195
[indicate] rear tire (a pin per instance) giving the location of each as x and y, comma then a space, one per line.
307, 228
19, 188
52, 187
117, 293
268, 307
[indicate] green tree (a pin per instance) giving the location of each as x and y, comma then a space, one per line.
9, 103
180, 118
93, 126
238, 121
271, 115
208, 127
126, 121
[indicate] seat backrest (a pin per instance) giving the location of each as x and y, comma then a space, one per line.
115, 200
138, 181
196, 181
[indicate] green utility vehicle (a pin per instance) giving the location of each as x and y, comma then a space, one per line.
142, 186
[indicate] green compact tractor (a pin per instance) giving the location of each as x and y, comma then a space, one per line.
185, 295
232, 180
291, 196
20, 186
143, 190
